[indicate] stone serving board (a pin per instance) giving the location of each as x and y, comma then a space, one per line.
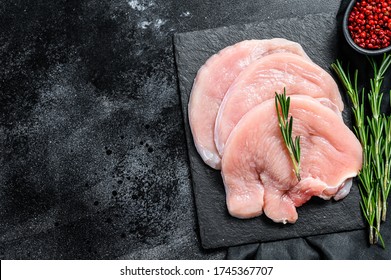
318, 36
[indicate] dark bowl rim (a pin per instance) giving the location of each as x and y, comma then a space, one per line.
350, 40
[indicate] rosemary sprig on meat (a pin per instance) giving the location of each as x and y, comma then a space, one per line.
373, 131
286, 124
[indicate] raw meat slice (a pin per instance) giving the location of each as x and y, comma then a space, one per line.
213, 80
259, 82
257, 170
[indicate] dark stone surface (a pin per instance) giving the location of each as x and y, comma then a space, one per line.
93, 153
317, 34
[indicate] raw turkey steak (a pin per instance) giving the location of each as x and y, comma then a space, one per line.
262, 79
257, 170
212, 82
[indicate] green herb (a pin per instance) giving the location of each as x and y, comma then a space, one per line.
286, 124
374, 132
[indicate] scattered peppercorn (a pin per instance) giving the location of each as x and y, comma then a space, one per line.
369, 24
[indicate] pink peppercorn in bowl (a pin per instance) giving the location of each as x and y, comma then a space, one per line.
367, 26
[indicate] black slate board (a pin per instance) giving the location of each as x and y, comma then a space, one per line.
318, 36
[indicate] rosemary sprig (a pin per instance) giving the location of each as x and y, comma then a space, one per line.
387, 165
286, 124
374, 132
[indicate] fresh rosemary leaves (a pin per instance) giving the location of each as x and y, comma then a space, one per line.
373, 129
282, 102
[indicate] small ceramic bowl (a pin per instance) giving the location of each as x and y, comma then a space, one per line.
349, 39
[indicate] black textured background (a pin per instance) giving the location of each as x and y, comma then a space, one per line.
93, 161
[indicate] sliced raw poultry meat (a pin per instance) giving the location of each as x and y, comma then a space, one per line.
212, 82
257, 170
262, 79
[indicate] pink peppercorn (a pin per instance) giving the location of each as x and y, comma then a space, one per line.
369, 24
